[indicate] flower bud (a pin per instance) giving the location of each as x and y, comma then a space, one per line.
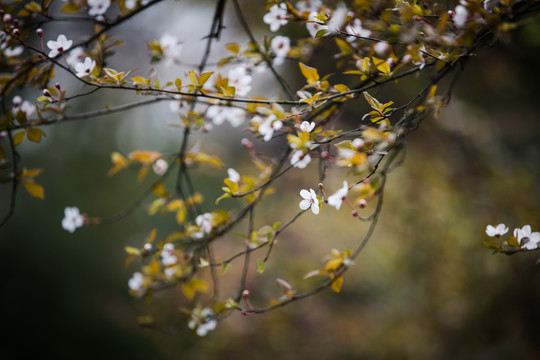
39, 32
362, 203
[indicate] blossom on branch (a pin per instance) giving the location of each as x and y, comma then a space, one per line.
240, 80
202, 320
276, 17
280, 45
59, 46
497, 231
526, 238
310, 200
72, 219
85, 68
268, 126
160, 166
300, 160
98, 7
337, 198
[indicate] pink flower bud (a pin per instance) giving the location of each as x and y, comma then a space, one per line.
362, 203
39, 32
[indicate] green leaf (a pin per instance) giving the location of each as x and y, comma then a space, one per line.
260, 266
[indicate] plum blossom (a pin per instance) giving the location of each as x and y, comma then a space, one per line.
171, 47
204, 221
337, 198
234, 176
24, 106
355, 29
381, 48
76, 55
98, 7
276, 17
314, 25
308, 5
460, 16
72, 219
137, 283
497, 231
59, 46
85, 68
306, 126
527, 239
240, 80
299, 160
280, 45
15, 51
160, 166
220, 114
310, 200
268, 126
202, 320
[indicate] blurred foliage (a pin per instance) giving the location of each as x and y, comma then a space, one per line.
424, 288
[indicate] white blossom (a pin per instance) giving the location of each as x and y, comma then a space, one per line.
526, 238
306, 126
234, 176
280, 45
337, 198
59, 46
202, 321
314, 25
220, 114
355, 29
299, 160
24, 106
85, 68
136, 283
276, 16
204, 221
240, 80
160, 166
168, 256
460, 16
308, 5
171, 47
310, 200
15, 51
268, 126
76, 56
72, 219
98, 7
498, 230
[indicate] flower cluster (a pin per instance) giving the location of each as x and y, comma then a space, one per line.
202, 321
523, 237
72, 219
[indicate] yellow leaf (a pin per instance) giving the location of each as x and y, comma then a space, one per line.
337, 283
159, 190
150, 239
30, 173
193, 77
142, 173
35, 134
190, 288
19, 137
119, 163
341, 87
233, 47
311, 74
143, 156
374, 103
128, 260
130, 250
333, 264
34, 189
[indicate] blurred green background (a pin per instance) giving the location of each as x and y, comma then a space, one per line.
424, 287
